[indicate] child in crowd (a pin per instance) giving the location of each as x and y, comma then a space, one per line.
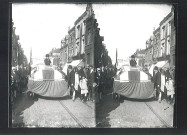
170, 89
84, 88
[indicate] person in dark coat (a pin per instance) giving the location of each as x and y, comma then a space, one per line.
168, 75
47, 61
20, 79
29, 69
106, 74
100, 80
14, 83
81, 72
91, 81
157, 83
71, 79
132, 61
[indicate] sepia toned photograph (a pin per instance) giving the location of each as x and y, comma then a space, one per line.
92, 65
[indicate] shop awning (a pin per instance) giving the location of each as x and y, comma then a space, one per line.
65, 68
159, 64
74, 63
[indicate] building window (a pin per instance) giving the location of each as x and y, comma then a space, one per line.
162, 49
173, 59
168, 47
89, 36
83, 46
77, 47
78, 31
88, 58
169, 28
70, 38
72, 51
83, 28
163, 32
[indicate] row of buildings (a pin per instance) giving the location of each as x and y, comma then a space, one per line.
161, 45
83, 43
18, 57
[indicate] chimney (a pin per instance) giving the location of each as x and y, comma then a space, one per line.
89, 9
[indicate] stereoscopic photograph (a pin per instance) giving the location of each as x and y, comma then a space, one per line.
92, 65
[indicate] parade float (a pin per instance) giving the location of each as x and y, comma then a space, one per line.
132, 82
47, 81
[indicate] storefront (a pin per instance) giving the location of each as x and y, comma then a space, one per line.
159, 64
74, 63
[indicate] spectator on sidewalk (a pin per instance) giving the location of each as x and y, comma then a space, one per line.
71, 79
157, 83
163, 84
170, 89
100, 81
91, 84
14, 83
76, 83
84, 88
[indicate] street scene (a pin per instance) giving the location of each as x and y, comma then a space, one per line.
95, 67
133, 113
44, 112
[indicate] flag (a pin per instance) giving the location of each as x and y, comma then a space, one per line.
31, 62
116, 64
116, 58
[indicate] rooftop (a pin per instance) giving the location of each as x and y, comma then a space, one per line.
166, 18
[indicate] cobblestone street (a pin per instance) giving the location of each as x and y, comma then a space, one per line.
42, 112
129, 113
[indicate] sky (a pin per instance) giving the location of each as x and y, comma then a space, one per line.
124, 26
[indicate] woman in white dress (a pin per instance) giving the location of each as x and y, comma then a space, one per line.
170, 88
84, 88
163, 83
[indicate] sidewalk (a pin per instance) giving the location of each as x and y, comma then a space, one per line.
163, 110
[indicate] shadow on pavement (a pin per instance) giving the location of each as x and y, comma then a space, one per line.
123, 98
22, 103
54, 98
104, 108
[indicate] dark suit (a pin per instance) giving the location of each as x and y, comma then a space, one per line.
47, 61
157, 82
133, 63
91, 78
72, 77
81, 73
91, 89
167, 75
100, 81
157, 79
71, 81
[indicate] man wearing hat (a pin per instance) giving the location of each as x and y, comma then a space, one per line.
47, 61
157, 82
91, 84
132, 61
71, 79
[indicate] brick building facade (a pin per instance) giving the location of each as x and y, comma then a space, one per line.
161, 46
18, 56
84, 41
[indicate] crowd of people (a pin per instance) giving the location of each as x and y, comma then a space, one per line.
89, 83
163, 80
19, 80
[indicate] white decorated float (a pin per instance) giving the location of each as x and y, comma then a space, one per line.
132, 82
48, 82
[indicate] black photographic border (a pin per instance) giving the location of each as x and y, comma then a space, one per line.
181, 79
